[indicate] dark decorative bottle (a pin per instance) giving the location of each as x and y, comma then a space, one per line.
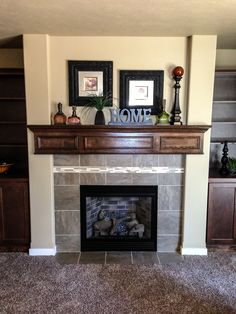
224, 171
60, 117
74, 119
99, 118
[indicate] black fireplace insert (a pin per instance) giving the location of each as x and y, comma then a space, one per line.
118, 218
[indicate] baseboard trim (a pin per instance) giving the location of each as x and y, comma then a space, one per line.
193, 251
43, 252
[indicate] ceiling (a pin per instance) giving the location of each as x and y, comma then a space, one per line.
118, 18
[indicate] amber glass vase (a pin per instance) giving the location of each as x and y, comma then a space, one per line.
60, 117
74, 119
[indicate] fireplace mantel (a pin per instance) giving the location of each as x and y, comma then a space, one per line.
91, 139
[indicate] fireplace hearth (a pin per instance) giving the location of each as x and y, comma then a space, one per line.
118, 218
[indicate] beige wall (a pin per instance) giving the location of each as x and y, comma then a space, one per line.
37, 81
11, 58
47, 84
200, 94
226, 59
142, 53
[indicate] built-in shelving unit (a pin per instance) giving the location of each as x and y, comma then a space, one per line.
221, 222
223, 115
14, 185
13, 130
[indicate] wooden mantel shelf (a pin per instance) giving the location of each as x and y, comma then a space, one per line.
91, 139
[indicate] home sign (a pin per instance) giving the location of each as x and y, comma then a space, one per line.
130, 117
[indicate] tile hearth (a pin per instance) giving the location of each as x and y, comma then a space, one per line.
104, 258
71, 171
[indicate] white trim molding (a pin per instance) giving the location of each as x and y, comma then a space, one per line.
43, 252
193, 251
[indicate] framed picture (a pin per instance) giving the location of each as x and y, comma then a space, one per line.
88, 79
141, 89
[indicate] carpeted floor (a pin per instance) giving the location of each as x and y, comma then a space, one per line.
42, 285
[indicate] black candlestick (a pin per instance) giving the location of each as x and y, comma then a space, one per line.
175, 112
224, 171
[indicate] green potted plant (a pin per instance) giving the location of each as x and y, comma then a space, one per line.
232, 165
98, 102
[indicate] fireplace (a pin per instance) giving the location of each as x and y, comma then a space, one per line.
118, 218
73, 171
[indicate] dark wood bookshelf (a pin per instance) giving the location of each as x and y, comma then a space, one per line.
221, 221
14, 185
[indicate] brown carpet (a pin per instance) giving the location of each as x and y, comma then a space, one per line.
42, 285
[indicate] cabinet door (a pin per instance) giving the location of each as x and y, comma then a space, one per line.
14, 213
221, 226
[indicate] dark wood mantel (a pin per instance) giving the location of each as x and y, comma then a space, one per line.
91, 139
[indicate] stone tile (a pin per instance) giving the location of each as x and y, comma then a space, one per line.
169, 222
169, 197
145, 258
145, 178
118, 178
118, 258
168, 243
145, 160
67, 222
92, 160
119, 160
66, 178
68, 243
66, 160
67, 258
92, 179
67, 197
172, 161
92, 258
170, 178
169, 258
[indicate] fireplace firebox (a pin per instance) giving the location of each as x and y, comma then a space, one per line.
118, 218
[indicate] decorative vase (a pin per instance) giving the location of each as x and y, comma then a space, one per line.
74, 119
164, 117
60, 117
99, 118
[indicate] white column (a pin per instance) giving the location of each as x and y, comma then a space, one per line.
200, 95
37, 79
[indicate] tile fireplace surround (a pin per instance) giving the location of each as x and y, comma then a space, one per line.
71, 171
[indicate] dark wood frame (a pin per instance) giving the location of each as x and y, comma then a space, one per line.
157, 76
75, 67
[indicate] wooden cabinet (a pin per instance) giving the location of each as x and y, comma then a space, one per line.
14, 214
221, 222
14, 199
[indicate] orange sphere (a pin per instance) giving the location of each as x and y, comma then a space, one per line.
178, 71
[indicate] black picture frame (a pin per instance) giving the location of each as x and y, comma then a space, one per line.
89, 78
150, 82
